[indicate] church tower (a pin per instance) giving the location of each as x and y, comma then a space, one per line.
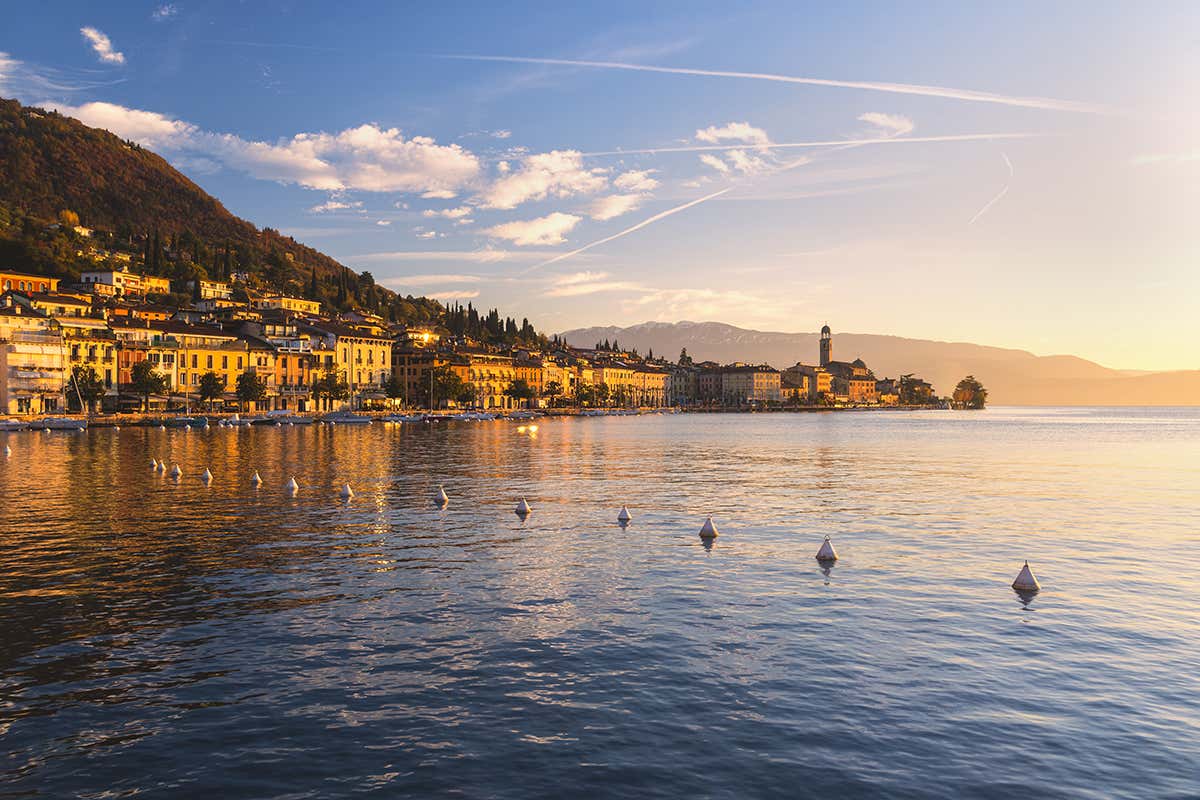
826, 346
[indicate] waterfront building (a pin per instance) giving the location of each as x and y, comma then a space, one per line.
618, 378
650, 386
795, 386
818, 380
750, 384
683, 385
853, 381
532, 370
888, 390
90, 344
489, 374
413, 365
137, 342
362, 356
915, 391
200, 349
32, 362
708, 383
296, 360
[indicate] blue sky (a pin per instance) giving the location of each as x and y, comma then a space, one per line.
1020, 175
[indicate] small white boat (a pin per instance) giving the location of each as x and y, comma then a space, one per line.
404, 418
13, 425
61, 424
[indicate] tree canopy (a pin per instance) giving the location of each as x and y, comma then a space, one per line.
969, 393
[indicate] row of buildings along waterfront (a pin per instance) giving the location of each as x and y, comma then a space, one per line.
306, 360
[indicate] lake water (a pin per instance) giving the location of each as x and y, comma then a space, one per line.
168, 639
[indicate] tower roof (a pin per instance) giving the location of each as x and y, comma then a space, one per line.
825, 329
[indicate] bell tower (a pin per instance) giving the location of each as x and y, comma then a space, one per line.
826, 346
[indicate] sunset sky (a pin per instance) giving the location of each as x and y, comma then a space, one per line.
1024, 175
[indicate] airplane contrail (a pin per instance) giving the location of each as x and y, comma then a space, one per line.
971, 95
963, 137
629, 230
999, 196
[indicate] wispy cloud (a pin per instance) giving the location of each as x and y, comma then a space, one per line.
431, 279
454, 294
614, 205
548, 230
636, 180
894, 124
102, 45
708, 159
559, 173
487, 255
367, 158
448, 213
1165, 158
336, 205
999, 196
164, 12
949, 93
631, 229
580, 284
733, 131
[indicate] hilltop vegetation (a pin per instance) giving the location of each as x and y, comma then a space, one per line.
143, 213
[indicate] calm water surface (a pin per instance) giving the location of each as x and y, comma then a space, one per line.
167, 639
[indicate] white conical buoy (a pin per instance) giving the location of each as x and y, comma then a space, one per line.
291, 486
7, 451
442, 497
523, 507
162, 466
176, 472
1025, 581
623, 515
347, 492
154, 464
255, 479
827, 553
207, 476
117, 428
81, 428
708, 530
162, 427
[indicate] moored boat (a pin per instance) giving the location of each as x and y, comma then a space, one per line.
61, 424
409, 418
13, 425
345, 418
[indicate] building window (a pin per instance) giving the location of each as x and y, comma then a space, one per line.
208, 362
224, 362
194, 362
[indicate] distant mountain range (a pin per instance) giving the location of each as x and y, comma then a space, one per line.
1012, 377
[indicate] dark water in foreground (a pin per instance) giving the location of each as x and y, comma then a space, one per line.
167, 639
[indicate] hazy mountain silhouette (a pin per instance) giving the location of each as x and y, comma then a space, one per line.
1013, 377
